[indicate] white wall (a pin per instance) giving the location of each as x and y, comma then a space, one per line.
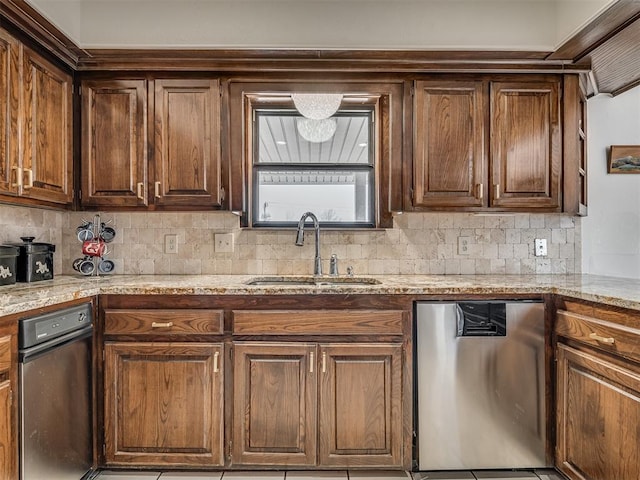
332, 24
611, 231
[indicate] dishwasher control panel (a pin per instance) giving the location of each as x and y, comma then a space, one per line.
41, 328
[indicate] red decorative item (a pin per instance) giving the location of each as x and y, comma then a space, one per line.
93, 248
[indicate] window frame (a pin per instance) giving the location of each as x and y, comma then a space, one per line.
362, 110
392, 117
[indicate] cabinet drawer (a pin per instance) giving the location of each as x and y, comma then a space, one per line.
5, 354
621, 339
163, 322
317, 322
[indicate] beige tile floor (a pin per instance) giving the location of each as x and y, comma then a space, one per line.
337, 475
310, 475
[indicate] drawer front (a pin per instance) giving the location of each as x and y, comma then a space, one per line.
5, 354
620, 339
317, 322
163, 322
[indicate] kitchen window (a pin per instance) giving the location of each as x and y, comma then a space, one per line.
347, 170
323, 166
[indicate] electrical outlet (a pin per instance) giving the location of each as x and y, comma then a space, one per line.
171, 243
540, 247
223, 242
463, 245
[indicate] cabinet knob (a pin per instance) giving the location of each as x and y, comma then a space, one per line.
29, 177
161, 324
598, 338
140, 192
18, 182
216, 359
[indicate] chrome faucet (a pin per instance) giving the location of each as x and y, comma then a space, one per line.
317, 266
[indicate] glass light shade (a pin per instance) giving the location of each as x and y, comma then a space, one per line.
317, 106
316, 131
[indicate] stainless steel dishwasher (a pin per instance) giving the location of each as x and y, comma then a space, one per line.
480, 385
55, 395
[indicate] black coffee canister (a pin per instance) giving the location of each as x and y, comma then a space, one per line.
35, 260
8, 258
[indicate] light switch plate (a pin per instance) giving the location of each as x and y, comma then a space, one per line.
540, 247
223, 242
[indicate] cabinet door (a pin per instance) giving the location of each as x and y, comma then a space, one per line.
598, 415
526, 145
9, 104
8, 432
274, 392
163, 404
47, 157
361, 405
450, 144
114, 143
187, 143
575, 146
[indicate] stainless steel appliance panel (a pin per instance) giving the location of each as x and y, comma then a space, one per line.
55, 399
481, 398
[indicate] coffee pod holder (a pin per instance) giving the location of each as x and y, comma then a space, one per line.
95, 237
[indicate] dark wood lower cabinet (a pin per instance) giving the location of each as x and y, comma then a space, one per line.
274, 404
8, 413
164, 404
356, 416
7, 458
360, 405
598, 417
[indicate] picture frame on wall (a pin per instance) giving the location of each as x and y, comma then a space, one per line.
624, 159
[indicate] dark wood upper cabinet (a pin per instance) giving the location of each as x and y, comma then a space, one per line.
449, 152
36, 156
127, 164
114, 143
47, 157
526, 144
484, 144
187, 143
9, 108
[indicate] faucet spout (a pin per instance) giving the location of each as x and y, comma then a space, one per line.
317, 268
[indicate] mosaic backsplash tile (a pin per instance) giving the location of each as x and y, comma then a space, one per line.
419, 243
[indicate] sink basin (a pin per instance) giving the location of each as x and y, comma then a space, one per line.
316, 281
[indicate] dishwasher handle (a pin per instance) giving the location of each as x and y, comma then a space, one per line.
481, 319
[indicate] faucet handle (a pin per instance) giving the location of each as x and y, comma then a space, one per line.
333, 265
350, 271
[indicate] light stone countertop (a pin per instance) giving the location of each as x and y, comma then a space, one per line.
608, 290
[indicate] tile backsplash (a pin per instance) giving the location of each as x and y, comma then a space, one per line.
45, 225
419, 243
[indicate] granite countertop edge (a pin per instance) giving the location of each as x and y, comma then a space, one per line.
614, 291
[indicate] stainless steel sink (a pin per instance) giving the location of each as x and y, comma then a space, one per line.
316, 281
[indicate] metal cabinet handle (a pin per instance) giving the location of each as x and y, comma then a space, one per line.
157, 190
497, 191
216, 357
29, 177
324, 362
18, 182
161, 324
598, 338
480, 187
311, 362
140, 192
